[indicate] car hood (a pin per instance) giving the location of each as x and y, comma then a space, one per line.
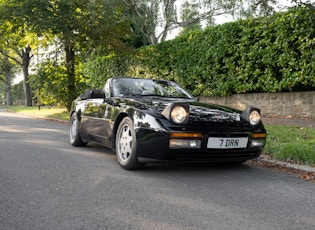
206, 112
198, 111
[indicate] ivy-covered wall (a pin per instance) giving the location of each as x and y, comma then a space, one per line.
272, 54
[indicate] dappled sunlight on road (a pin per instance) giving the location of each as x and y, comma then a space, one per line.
12, 129
17, 129
43, 143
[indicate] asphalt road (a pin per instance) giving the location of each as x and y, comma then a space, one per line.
45, 183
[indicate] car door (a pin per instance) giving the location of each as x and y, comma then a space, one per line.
92, 118
97, 122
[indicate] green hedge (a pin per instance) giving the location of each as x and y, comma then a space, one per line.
256, 55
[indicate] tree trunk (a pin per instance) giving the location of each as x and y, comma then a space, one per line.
70, 56
6, 68
26, 58
8, 94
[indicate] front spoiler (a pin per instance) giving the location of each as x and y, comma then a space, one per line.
199, 156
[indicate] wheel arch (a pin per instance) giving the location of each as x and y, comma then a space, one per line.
77, 112
75, 134
119, 118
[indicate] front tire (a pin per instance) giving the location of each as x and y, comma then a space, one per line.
75, 138
126, 145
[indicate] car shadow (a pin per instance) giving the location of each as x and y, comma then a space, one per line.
177, 166
195, 166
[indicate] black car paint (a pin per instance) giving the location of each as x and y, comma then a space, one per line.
100, 117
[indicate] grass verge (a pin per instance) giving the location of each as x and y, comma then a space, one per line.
291, 143
286, 143
44, 112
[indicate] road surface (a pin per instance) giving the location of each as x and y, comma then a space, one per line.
45, 183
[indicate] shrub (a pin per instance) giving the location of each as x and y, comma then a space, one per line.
271, 54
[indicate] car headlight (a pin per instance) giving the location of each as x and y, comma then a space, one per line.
177, 113
254, 117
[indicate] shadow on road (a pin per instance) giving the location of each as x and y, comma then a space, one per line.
166, 166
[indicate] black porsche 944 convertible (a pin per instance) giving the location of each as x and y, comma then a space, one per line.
147, 120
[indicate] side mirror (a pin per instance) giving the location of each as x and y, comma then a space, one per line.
97, 94
92, 94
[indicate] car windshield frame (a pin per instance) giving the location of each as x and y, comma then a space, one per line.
133, 87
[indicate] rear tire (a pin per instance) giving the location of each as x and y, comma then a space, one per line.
126, 145
75, 138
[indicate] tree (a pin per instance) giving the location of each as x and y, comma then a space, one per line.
156, 18
24, 59
153, 20
265, 8
188, 12
2, 89
7, 69
78, 25
15, 44
17, 93
255, 8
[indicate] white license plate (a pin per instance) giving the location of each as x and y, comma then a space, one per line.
227, 143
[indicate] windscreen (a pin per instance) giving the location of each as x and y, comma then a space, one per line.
126, 87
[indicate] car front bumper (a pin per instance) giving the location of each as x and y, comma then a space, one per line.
153, 145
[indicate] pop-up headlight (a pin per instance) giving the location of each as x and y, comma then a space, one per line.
177, 113
252, 115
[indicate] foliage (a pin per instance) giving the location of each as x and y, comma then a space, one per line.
153, 20
79, 27
254, 8
50, 83
190, 11
206, 62
18, 93
99, 68
7, 68
255, 55
2, 89
16, 43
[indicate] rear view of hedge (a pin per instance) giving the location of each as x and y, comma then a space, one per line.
258, 55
